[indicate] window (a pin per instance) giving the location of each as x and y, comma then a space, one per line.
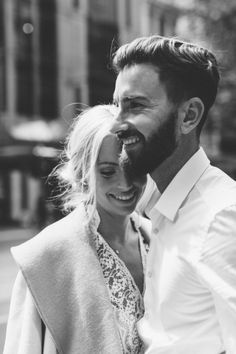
48, 104
128, 13
2, 59
23, 59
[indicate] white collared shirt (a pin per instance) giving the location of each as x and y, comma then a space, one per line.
190, 297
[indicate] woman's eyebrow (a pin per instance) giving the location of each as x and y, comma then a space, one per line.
107, 163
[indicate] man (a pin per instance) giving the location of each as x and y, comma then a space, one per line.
164, 90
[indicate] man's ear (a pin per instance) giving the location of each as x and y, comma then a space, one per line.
191, 113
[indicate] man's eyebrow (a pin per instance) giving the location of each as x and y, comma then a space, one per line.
130, 98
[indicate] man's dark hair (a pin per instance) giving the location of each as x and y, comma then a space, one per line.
186, 70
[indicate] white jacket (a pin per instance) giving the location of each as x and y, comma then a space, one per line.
61, 282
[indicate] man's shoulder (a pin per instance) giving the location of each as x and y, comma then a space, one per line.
216, 189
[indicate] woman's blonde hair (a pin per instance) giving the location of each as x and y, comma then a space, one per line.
77, 172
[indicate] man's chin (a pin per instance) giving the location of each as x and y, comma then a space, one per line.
141, 169
135, 166
135, 169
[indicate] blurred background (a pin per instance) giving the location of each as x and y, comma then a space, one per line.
54, 60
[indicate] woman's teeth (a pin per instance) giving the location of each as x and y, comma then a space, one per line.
123, 197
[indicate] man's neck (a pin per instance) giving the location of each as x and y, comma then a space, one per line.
165, 173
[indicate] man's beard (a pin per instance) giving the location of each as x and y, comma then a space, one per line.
160, 145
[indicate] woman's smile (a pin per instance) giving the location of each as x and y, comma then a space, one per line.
124, 197
117, 192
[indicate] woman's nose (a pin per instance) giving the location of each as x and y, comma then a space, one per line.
124, 181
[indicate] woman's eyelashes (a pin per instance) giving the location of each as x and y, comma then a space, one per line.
108, 172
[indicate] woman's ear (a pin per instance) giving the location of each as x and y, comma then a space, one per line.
191, 114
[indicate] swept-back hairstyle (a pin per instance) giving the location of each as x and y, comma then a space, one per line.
76, 173
186, 70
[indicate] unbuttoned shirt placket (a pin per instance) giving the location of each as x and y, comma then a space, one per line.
153, 272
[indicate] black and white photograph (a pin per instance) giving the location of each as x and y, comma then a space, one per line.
118, 176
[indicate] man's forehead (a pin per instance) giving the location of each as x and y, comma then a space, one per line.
126, 90
126, 95
136, 82
128, 77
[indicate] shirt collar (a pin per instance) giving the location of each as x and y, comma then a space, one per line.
172, 198
152, 201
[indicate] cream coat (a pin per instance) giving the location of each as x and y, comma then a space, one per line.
61, 281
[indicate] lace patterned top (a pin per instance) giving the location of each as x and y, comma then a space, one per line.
124, 294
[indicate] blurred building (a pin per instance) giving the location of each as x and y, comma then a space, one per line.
43, 68
54, 59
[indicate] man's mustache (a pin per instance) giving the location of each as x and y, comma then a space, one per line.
126, 130
122, 134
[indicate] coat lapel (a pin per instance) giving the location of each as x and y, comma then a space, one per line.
63, 273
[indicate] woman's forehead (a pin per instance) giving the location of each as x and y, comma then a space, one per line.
110, 149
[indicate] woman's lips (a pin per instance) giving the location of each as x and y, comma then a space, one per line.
123, 197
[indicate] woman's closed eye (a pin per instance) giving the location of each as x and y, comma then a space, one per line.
107, 173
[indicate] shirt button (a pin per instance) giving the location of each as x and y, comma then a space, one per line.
149, 274
155, 230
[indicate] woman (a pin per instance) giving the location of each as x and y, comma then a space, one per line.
80, 284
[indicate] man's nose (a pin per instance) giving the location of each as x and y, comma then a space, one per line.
115, 127
119, 122
118, 126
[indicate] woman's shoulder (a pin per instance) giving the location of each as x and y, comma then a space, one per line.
54, 240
